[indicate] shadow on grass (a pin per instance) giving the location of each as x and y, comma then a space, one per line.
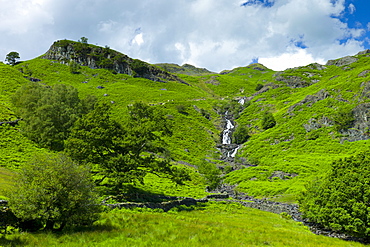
134, 194
13, 241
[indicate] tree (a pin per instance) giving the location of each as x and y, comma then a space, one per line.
123, 153
268, 121
12, 57
240, 135
340, 199
49, 112
83, 40
54, 191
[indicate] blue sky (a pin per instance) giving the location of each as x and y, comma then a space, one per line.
357, 16
214, 34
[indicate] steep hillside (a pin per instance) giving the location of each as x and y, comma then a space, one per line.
321, 112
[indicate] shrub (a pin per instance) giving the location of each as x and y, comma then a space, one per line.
54, 191
240, 135
268, 121
340, 199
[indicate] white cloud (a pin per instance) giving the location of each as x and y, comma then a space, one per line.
217, 35
294, 58
351, 8
138, 39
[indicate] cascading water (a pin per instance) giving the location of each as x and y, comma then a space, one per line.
226, 134
230, 149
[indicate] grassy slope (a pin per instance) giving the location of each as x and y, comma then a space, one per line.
210, 225
287, 147
282, 148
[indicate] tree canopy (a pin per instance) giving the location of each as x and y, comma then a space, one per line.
54, 191
123, 153
12, 57
340, 200
49, 112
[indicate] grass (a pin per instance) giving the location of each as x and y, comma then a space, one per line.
211, 224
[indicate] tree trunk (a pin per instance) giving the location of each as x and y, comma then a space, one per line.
49, 225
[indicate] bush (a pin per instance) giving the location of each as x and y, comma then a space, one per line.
211, 173
54, 191
268, 121
258, 87
343, 119
240, 135
340, 200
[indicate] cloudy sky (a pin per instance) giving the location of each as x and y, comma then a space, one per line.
215, 34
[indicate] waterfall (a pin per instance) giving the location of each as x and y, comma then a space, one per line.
230, 149
226, 135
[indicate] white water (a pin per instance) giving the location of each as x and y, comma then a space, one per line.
226, 135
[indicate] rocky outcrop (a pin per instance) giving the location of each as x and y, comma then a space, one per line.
314, 124
310, 100
96, 57
292, 81
360, 128
342, 61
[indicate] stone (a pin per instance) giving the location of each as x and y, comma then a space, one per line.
342, 61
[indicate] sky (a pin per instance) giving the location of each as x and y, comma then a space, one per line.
212, 34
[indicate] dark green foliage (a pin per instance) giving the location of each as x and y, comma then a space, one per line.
54, 191
181, 109
139, 67
12, 57
268, 120
83, 40
258, 87
343, 119
49, 112
340, 200
240, 135
74, 67
211, 173
124, 153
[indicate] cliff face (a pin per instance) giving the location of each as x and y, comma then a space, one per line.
96, 57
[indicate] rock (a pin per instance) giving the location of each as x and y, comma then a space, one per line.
342, 61
367, 51
282, 175
364, 73
293, 81
95, 57
311, 99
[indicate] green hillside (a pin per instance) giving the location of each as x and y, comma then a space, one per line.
321, 114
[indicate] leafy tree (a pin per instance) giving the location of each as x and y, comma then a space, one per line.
83, 40
240, 135
49, 112
340, 200
123, 153
54, 191
12, 57
268, 121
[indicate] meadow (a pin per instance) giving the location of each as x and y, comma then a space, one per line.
210, 224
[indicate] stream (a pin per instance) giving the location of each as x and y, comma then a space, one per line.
228, 149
